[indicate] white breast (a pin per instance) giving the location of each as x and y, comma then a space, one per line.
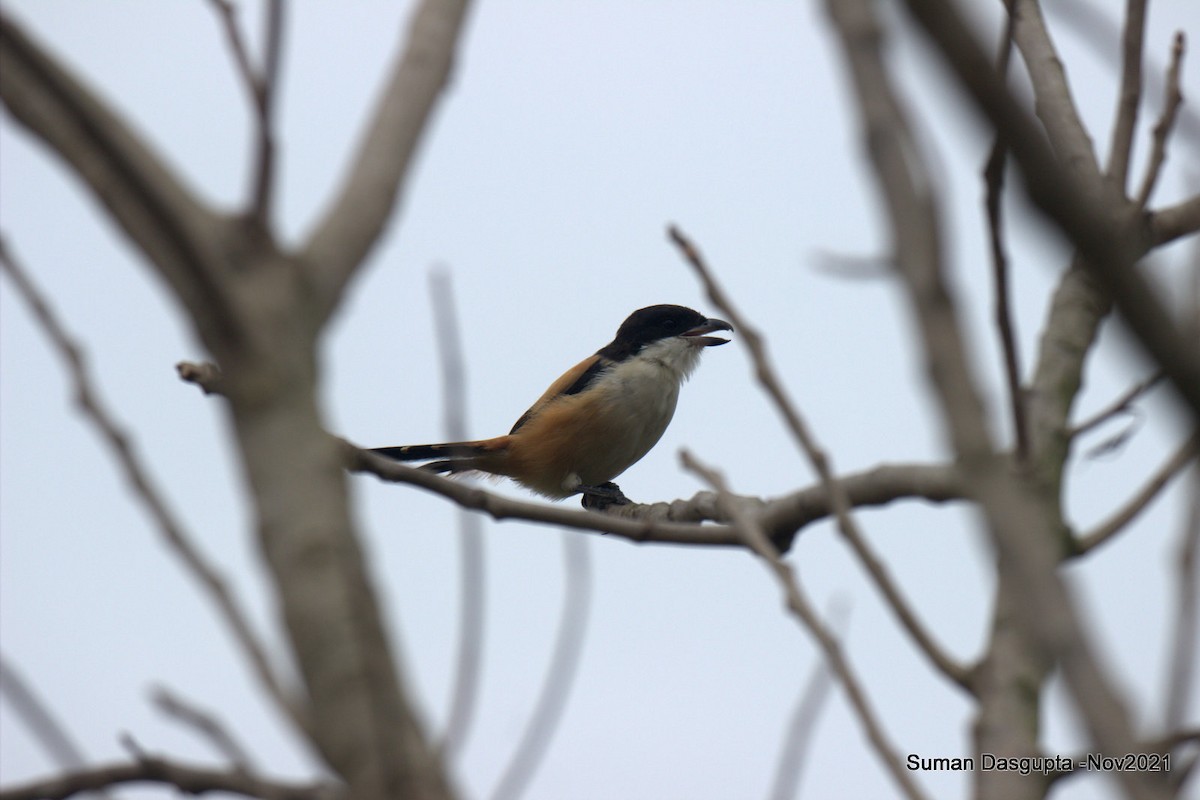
639, 396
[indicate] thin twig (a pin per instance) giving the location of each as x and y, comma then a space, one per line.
170, 528
1119, 406
756, 540
207, 725
803, 724
1173, 99
1098, 29
261, 88
846, 524
1138, 503
560, 675
37, 717
227, 11
472, 575
993, 175
266, 89
1133, 40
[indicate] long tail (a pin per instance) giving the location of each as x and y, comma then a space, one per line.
455, 456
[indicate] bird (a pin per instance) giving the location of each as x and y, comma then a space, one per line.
597, 420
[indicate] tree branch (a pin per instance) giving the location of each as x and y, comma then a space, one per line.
472, 575
144, 488
564, 665
261, 88
1096, 221
1174, 222
1132, 41
345, 235
1138, 503
207, 726
846, 523
1166, 123
500, 508
179, 237
1181, 677
755, 539
185, 778
1022, 522
993, 176
1118, 406
1055, 105
49, 733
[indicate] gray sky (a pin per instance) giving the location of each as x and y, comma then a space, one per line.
573, 133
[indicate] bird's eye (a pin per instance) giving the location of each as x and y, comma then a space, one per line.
669, 323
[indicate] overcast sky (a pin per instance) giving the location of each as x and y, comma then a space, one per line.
573, 133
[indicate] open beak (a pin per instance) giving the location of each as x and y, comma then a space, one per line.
708, 326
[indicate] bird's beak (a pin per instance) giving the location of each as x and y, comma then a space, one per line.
708, 326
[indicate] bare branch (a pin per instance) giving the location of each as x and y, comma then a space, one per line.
472, 573
756, 540
1174, 222
374, 183
169, 527
473, 497
267, 87
1166, 122
846, 524
227, 11
37, 717
785, 516
186, 778
1138, 503
1182, 676
1101, 32
207, 725
260, 88
1054, 103
1132, 42
564, 664
803, 725
1021, 522
993, 175
179, 236
1096, 221
1119, 406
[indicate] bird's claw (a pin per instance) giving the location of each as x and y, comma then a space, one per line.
603, 497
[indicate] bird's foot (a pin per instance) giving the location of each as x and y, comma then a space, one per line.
603, 497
